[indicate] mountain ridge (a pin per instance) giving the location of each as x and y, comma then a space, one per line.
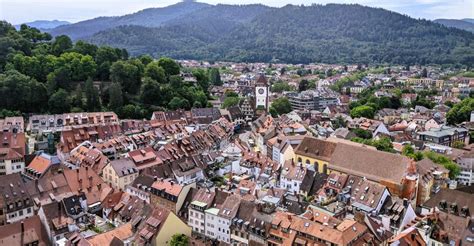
331, 33
464, 24
150, 17
44, 24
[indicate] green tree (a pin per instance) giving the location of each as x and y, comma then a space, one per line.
230, 102
145, 59
59, 102
202, 78
77, 100
281, 105
85, 48
460, 112
215, 76
127, 75
176, 82
383, 144
115, 97
453, 168
178, 103
339, 122
81, 66
154, 71
92, 96
59, 78
61, 44
179, 240
303, 85
200, 99
273, 112
361, 133
131, 111
170, 66
21, 92
150, 93
104, 58
280, 86
363, 111
410, 152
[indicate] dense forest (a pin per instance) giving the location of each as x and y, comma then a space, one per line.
39, 74
331, 33
152, 17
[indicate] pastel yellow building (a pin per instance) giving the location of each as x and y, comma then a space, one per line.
315, 152
120, 173
172, 225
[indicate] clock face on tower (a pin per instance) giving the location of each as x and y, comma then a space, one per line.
261, 91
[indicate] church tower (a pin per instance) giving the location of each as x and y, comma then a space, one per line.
261, 93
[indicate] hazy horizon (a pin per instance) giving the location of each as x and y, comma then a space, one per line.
21, 11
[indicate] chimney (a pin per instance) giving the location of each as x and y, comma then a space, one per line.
405, 202
59, 212
22, 233
90, 181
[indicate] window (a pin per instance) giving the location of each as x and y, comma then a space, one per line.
20, 213
28, 210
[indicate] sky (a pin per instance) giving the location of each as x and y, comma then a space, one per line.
21, 11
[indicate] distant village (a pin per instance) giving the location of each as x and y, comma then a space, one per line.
286, 155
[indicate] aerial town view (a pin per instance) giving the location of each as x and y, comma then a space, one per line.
279, 123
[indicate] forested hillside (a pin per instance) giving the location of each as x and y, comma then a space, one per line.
152, 17
44, 24
330, 33
39, 74
460, 24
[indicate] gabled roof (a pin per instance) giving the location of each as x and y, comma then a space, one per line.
123, 232
34, 231
230, 207
168, 186
366, 162
316, 148
124, 167
461, 199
